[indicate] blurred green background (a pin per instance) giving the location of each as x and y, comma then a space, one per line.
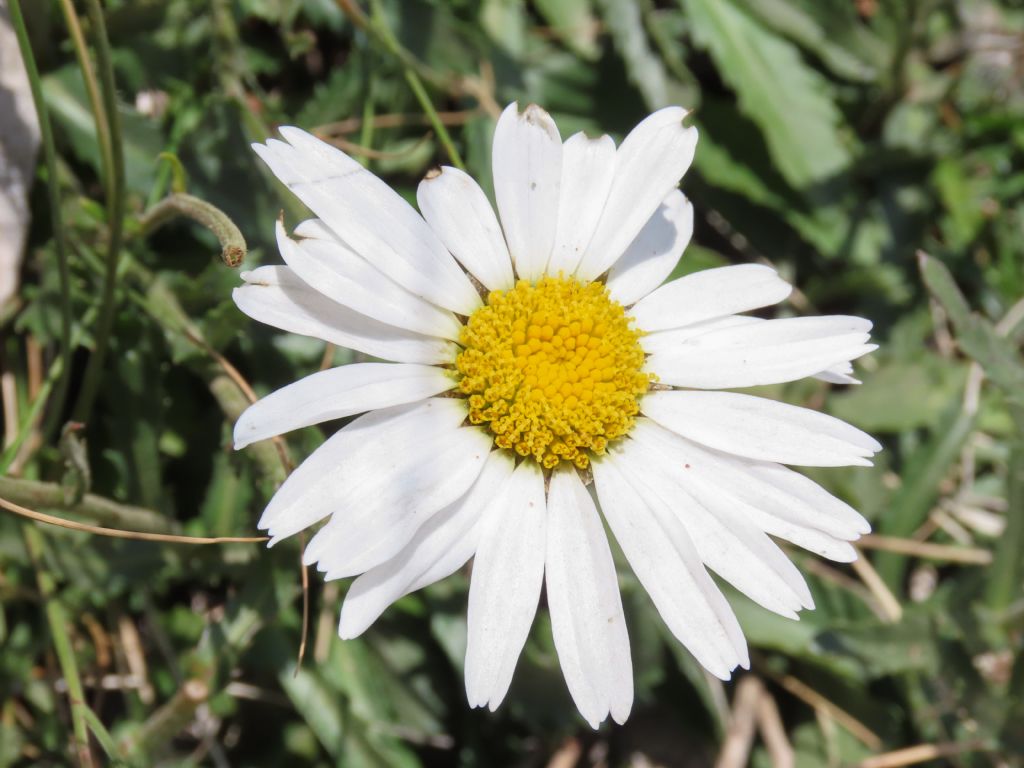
838, 138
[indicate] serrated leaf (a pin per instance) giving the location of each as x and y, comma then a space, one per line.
788, 100
975, 335
800, 26
886, 649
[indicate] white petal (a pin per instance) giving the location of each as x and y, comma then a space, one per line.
365, 532
505, 587
316, 229
527, 165
809, 521
649, 164
674, 338
841, 373
370, 217
276, 296
729, 544
442, 546
333, 269
708, 294
654, 253
813, 540
757, 428
588, 167
666, 341
774, 490
336, 393
587, 622
770, 352
357, 466
458, 211
664, 560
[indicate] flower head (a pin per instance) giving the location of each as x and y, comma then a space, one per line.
527, 358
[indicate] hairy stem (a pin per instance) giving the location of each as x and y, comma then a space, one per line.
32, 493
232, 243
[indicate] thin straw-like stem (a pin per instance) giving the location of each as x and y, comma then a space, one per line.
377, 26
116, 533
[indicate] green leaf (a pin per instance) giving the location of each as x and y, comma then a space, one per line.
800, 26
886, 649
644, 68
505, 23
901, 395
962, 197
228, 495
1006, 581
921, 477
316, 704
65, 96
788, 100
976, 336
574, 23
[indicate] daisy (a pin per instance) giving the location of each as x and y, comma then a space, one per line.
535, 353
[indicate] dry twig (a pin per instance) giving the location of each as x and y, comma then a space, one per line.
116, 533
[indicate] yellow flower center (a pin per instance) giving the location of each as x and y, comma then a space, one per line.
553, 369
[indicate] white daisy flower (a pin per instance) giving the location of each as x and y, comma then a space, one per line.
531, 351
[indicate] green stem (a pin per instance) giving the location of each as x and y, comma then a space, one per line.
435, 120
91, 87
106, 741
58, 621
42, 496
233, 248
115, 217
383, 32
56, 222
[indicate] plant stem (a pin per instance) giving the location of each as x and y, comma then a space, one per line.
32, 493
115, 217
435, 121
57, 619
232, 243
379, 28
116, 533
91, 87
56, 222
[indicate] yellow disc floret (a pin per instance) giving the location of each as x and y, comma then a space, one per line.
553, 369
